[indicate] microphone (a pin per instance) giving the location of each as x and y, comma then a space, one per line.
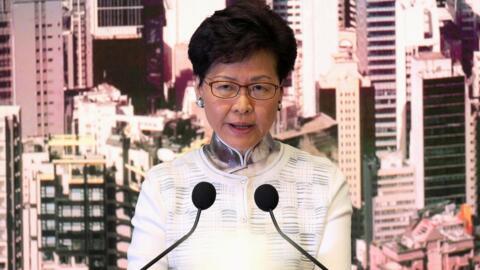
203, 196
266, 198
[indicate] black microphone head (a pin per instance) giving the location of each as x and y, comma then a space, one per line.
266, 197
203, 195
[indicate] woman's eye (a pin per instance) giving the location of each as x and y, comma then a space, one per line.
258, 87
225, 87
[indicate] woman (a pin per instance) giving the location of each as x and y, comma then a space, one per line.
241, 55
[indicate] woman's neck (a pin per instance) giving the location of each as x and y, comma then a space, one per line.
229, 159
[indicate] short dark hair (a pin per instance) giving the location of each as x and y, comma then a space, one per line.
234, 33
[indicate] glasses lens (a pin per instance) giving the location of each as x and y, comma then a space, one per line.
262, 90
224, 89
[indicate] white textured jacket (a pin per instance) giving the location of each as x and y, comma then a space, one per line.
314, 210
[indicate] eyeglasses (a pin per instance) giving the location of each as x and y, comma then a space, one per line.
227, 89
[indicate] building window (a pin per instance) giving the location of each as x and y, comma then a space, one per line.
95, 194
71, 226
78, 244
65, 244
96, 210
96, 226
76, 194
48, 225
71, 210
48, 208
98, 243
77, 211
48, 192
48, 241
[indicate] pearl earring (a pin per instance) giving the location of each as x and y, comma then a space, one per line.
200, 103
279, 106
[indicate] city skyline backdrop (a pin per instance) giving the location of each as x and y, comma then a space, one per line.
93, 93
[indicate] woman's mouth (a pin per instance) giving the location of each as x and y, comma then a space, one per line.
241, 127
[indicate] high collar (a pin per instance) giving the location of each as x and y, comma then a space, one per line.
229, 159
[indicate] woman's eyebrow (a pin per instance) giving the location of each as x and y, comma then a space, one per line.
255, 78
223, 77
260, 77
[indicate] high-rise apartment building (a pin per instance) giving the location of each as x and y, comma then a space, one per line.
348, 97
376, 52
38, 67
77, 42
315, 25
417, 31
122, 193
438, 126
153, 23
72, 206
347, 13
77, 206
35, 169
95, 116
177, 33
6, 92
389, 34
466, 15
394, 204
472, 132
112, 19
135, 27
10, 188
116, 28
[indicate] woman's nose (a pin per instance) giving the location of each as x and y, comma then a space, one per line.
243, 103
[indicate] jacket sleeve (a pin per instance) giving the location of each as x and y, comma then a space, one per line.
335, 249
149, 228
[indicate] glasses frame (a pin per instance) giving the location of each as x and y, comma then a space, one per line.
240, 86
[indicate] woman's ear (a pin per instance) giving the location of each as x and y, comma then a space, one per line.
281, 93
198, 87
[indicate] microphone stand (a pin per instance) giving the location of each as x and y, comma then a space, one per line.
310, 257
174, 244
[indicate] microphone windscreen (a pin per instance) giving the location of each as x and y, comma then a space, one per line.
266, 197
203, 195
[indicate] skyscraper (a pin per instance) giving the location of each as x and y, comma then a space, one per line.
38, 62
38, 66
417, 31
376, 52
116, 28
115, 19
347, 13
472, 130
177, 33
153, 23
438, 126
466, 15
344, 95
315, 25
394, 204
35, 169
72, 210
390, 33
10, 188
77, 42
6, 94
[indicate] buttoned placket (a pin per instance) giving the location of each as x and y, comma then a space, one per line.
244, 212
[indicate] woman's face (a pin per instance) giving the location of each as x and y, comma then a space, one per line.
242, 121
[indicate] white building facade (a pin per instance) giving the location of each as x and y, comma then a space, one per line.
394, 204
38, 65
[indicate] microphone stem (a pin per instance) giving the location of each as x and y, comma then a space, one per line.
174, 244
315, 261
